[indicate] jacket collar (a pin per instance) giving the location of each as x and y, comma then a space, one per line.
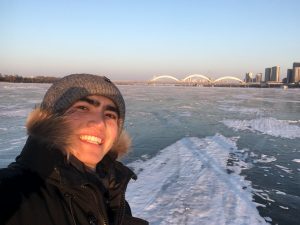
40, 157
50, 163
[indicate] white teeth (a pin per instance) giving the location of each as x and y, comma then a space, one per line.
91, 139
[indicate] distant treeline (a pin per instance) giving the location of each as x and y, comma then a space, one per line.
20, 79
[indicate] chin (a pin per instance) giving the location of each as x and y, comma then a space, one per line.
95, 161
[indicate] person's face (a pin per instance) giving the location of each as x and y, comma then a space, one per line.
94, 121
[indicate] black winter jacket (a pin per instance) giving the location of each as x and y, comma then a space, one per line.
44, 188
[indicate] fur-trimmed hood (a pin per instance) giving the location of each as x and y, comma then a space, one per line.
56, 131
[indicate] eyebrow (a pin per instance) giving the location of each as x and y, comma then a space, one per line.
113, 109
97, 103
90, 101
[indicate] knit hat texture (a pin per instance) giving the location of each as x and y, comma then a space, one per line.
69, 89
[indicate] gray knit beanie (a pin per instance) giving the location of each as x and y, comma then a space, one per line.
69, 89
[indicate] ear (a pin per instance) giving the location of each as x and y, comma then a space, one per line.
122, 145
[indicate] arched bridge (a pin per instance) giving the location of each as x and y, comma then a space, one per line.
197, 76
228, 78
163, 77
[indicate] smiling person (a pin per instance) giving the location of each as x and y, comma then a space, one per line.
67, 172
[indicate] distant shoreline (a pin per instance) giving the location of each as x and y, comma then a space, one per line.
44, 79
20, 79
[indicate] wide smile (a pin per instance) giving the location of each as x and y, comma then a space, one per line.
91, 139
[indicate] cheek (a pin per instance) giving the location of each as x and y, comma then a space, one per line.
75, 122
113, 130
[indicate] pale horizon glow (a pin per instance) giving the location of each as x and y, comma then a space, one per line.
136, 40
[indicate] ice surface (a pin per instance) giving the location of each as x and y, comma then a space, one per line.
280, 193
285, 169
296, 160
269, 125
15, 113
157, 116
266, 159
243, 110
191, 182
263, 194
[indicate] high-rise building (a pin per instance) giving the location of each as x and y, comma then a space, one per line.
289, 76
258, 77
267, 74
296, 64
275, 74
296, 72
249, 77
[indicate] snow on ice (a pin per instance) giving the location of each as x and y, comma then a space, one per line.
190, 182
270, 126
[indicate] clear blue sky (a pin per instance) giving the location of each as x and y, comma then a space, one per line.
137, 39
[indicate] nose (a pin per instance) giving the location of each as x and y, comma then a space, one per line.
96, 119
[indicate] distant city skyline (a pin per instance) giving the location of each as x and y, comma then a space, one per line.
136, 40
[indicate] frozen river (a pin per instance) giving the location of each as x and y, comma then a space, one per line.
202, 155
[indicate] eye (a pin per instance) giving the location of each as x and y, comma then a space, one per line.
82, 107
111, 115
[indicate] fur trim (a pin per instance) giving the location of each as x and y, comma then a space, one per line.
56, 131
122, 145
49, 128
